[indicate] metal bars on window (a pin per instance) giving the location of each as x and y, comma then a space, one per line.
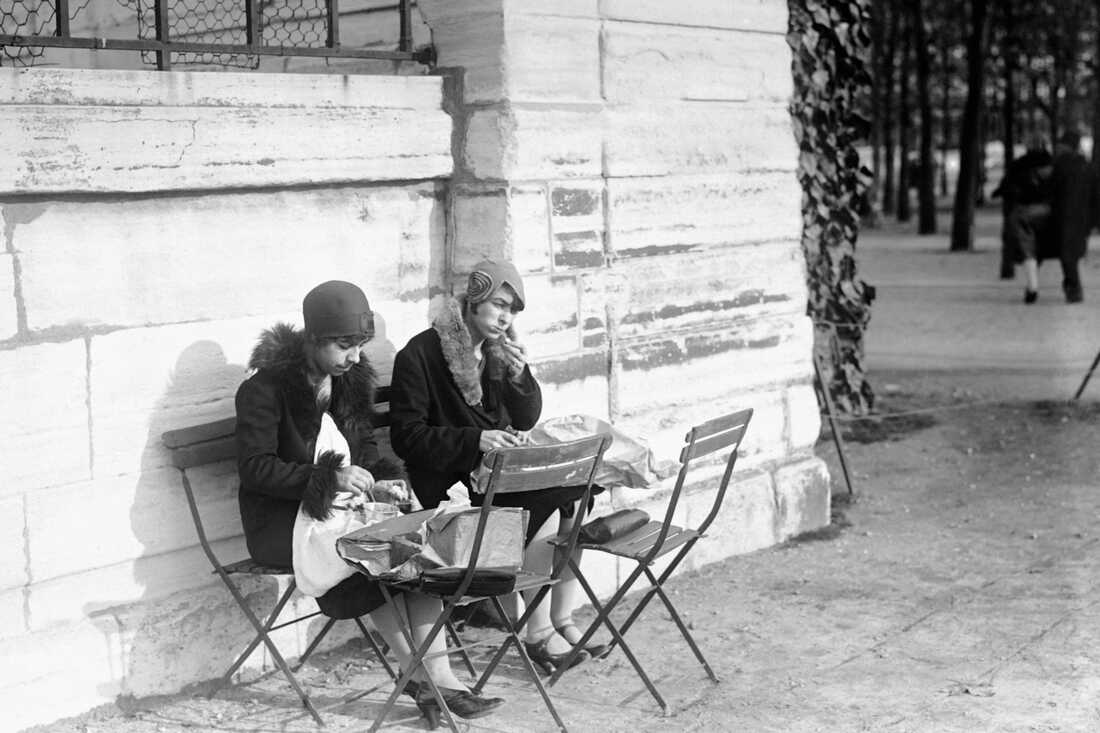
208, 32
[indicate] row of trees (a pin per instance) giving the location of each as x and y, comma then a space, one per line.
954, 76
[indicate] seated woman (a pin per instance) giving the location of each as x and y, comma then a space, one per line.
462, 388
299, 376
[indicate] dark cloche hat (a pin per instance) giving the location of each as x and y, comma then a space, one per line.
337, 308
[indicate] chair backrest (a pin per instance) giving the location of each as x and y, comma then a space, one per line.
197, 445
714, 435
535, 468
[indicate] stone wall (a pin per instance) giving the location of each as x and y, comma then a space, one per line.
152, 225
634, 157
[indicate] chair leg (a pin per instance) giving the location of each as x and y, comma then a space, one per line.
313, 644
665, 575
514, 637
262, 635
417, 661
683, 628
378, 651
503, 648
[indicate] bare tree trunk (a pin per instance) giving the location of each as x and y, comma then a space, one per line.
1008, 113
962, 226
926, 222
905, 125
888, 61
945, 109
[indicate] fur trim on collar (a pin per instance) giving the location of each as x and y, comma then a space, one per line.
458, 350
281, 351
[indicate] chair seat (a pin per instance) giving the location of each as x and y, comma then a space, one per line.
251, 567
639, 543
524, 581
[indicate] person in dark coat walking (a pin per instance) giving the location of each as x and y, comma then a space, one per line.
462, 388
1025, 194
1073, 210
298, 377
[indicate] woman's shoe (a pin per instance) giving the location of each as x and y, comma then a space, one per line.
1030, 296
463, 703
548, 662
596, 651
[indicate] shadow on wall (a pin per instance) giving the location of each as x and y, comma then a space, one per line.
185, 627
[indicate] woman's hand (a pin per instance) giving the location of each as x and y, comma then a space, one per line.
496, 439
355, 479
515, 356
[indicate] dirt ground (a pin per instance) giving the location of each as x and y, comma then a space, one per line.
957, 590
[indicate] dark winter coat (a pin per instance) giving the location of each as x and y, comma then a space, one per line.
1073, 204
277, 425
439, 404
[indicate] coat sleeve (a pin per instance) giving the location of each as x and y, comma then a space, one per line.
443, 448
257, 438
523, 400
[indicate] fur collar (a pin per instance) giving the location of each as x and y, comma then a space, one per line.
281, 352
458, 350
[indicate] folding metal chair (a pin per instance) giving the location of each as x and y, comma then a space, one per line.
207, 443
512, 470
658, 538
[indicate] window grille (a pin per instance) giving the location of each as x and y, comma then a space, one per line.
233, 33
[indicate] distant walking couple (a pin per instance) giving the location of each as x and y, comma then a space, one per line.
1051, 205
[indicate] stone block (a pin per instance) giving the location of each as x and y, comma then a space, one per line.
709, 287
13, 612
568, 8
480, 217
57, 673
528, 228
231, 248
579, 227
605, 293
534, 142
44, 438
552, 58
105, 87
653, 216
470, 37
136, 583
582, 396
13, 542
802, 497
9, 314
189, 375
549, 326
94, 524
642, 63
769, 16
697, 138
803, 417
64, 147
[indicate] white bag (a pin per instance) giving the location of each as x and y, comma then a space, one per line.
317, 567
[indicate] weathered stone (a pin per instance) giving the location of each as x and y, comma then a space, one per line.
804, 417
802, 496
528, 228
699, 137
189, 375
710, 286
44, 436
642, 64
586, 395
549, 325
649, 216
382, 239
758, 15
58, 673
480, 221
13, 613
101, 591
191, 146
110, 87
13, 542
9, 315
532, 142
470, 37
552, 58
